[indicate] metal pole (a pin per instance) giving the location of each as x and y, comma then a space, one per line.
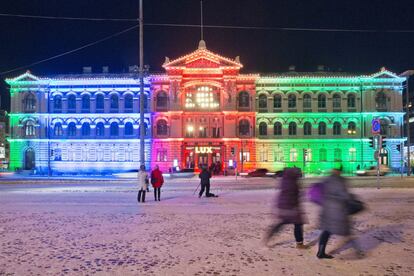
407, 125
402, 158
141, 83
379, 139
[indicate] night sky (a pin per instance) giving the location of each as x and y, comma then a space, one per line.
28, 40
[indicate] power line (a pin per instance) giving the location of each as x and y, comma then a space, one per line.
71, 51
209, 26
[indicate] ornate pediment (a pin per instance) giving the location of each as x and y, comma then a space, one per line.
26, 77
384, 74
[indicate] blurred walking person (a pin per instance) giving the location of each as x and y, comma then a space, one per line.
337, 205
157, 180
142, 183
289, 207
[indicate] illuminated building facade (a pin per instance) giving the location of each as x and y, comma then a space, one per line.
203, 112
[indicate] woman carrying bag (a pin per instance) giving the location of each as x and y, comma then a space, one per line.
142, 183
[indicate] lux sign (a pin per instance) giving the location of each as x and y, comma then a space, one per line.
204, 149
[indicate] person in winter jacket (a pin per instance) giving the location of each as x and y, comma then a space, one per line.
142, 183
334, 217
157, 180
289, 207
205, 176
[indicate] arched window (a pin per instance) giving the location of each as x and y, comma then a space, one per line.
322, 128
321, 101
381, 101
336, 101
307, 101
72, 103
307, 128
244, 127
114, 129
277, 128
244, 99
72, 129
58, 130
100, 99
162, 128
292, 128
337, 128
29, 128
337, 155
292, 101
351, 100
86, 129
129, 129
351, 128
263, 129
86, 103
162, 100
29, 103
114, 102
323, 155
128, 103
100, 129
57, 103
262, 101
293, 155
277, 101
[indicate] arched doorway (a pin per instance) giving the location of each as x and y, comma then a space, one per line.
383, 157
29, 159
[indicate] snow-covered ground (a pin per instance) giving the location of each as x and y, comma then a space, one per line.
86, 227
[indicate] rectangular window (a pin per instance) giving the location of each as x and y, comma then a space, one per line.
203, 132
278, 155
352, 154
246, 156
161, 155
263, 155
216, 132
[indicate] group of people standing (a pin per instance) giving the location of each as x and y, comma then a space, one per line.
157, 180
334, 216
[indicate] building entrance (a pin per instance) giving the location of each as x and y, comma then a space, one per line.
197, 157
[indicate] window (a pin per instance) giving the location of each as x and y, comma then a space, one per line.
292, 128
263, 129
100, 103
322, 128
216, 132
72, 103
58, 130
86, 102
307, 128
57, 103
307, 101
351, 100
307, 155
244, 99
337, 128
114, 129
29, 103
351, 128
202, 132
246, 156
129, 129
128, 103
29, 128
244, 127
100, 129
277, 128
381, 101
293, 155
86, 129
352, 154
162, 128
72, 129
277, 101
262, 101
337, 154
321, 101
162, 100
291, 101
323, 155
114, 103
202, 97
336, 101
263, 155
161, 155
279, 155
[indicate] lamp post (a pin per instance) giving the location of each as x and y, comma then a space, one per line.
141, 84
407, 75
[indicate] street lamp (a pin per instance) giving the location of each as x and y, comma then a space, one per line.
407, 75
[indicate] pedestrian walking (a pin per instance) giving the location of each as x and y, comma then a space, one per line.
289, 207
157, 180
142, 183
205, 176
335, 213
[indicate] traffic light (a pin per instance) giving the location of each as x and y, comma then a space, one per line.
399, 148
383, 142
371, 142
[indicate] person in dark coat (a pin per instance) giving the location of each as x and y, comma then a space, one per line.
157, 180
205, 176
334, 217
289, 208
